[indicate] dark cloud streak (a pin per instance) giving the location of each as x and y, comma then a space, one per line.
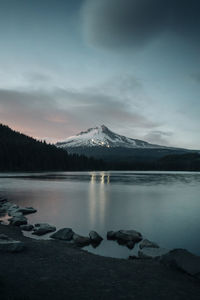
120, 24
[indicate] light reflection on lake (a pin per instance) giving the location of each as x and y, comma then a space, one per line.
163, 206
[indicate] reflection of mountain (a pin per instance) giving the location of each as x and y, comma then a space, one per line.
98, 198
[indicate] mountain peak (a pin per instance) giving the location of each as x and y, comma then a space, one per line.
102, 136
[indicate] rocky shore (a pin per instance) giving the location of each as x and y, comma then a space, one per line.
60, 269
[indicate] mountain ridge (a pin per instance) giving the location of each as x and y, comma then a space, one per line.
102, 136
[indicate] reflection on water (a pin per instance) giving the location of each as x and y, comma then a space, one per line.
97, 198
163, 206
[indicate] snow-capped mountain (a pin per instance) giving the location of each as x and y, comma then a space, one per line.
102, 143
101, 136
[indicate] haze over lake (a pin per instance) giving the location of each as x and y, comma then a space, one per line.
163, 206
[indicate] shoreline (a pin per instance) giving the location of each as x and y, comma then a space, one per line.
55, 269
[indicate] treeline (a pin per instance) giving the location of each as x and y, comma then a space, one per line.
176, 162
181, 162
19, 152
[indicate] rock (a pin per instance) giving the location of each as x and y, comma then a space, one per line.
148, 244
152, 252
3, 200
27, 210
15, 214
15, 210
81, 241
9, 245
126, 236
183, 260
130, 245
2, 210
27, 227
111, 235
18, 220
6, 205
95, 238
65, 234
43, 228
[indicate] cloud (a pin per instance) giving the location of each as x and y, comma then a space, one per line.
133, 23
158, 137
37, 77
64, 112
34, 113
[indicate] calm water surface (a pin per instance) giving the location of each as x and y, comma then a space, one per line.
163, 206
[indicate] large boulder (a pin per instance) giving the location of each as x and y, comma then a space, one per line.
43, 228
183, 260
95, 238
148, 244
9, 245
18, 220
148, 252
65, 234
126, 236
81, 241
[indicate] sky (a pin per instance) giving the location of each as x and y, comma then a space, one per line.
133, 65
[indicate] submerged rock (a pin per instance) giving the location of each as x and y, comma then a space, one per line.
43, 228
148, 244
152, 252
183, 260
65, 234
27, 227
95, 238
9, 245
18, 220
81, 241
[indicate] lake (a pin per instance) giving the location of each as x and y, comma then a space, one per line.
163, 206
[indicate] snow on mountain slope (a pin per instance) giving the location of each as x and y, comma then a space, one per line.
101, 136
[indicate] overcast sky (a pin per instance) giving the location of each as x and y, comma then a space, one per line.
133, 65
